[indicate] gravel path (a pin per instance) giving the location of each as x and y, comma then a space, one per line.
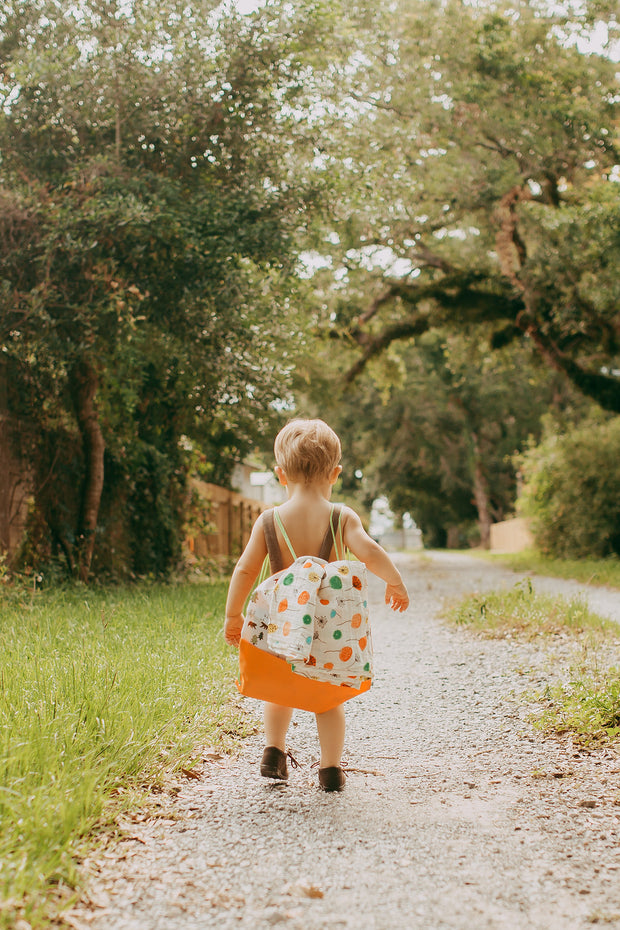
455, 814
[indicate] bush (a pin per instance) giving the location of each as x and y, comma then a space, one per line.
571, 491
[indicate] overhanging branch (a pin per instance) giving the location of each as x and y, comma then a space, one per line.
376, 344
452, 305
604, 389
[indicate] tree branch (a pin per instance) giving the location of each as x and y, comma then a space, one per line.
473, 306
381, 105
375, 306
509, 244
431, 259
376, 344
604, 389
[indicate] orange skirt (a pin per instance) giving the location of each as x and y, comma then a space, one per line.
270, 678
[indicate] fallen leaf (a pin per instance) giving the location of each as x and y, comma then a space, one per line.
190, 773
311, 891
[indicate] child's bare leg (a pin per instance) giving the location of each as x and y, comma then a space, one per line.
330, 726
277, 720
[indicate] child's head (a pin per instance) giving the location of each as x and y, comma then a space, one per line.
307, 450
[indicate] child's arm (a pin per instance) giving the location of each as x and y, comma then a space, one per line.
375, 558
245, 574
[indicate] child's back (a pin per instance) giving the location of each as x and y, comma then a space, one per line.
306, 521
307, 455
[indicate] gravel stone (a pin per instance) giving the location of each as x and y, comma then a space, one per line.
456, 815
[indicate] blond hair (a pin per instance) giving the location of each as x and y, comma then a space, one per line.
307, 450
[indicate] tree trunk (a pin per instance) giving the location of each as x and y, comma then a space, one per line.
15, 476
453, 537
85, 384
481, 499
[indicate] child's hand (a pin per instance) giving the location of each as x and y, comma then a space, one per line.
232, 629
396, 596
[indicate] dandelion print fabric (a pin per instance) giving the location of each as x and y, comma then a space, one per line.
292, 609
314, 614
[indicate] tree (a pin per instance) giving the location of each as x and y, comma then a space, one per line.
147, 205
436, 426
477, 152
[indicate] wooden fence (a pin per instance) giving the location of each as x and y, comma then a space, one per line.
222, 521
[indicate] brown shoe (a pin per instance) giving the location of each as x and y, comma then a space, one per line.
273, 764
332, 778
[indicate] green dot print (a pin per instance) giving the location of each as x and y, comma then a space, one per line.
337, 634
289, 579
307, 619
335, 582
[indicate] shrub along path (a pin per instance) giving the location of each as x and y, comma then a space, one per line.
456, 814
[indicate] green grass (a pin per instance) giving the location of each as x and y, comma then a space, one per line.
589, 571
520, 611
586, 708
102, 695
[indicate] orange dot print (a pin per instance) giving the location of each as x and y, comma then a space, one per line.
307, 564
356, 621
363, 642
328, 665
324, 601
357, 583
286, 629
304, 597
282, 606
345, 654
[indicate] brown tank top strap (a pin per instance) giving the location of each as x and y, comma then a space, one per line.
273, 547
328, 541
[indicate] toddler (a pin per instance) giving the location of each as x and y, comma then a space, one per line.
308, 456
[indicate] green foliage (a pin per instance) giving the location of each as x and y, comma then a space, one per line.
520, 611
481, 189
435, 426
147, 210
572, 491
457, 163
585, 708
475, 226
101, 694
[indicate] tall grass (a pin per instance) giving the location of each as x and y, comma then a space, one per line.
99, 692
586, 708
